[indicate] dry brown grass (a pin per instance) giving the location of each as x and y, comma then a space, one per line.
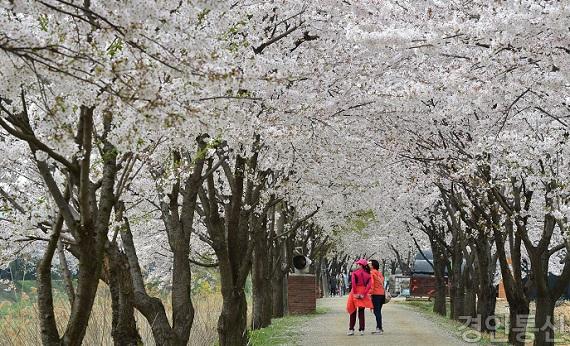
21, 327
563, 312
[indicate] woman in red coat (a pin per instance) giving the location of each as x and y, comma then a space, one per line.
359, 297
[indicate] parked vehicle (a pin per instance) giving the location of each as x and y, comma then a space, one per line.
423, 283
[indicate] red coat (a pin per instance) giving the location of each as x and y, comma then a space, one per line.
361, 284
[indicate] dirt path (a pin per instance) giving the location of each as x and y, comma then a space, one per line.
402, 326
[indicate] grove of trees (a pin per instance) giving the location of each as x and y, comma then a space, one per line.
235, 134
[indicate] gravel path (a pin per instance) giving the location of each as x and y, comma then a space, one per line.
402, 326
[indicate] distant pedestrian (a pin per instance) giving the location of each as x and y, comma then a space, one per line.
332, 286
359, 298
346, 280
378, 294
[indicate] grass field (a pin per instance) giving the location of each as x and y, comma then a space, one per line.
282, 331
19, 323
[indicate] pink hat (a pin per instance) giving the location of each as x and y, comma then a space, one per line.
362, 262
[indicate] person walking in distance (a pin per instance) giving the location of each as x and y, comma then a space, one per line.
378, 294
346, 284
332, 286
359, 297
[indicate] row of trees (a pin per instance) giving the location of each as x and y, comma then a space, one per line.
210, 133
480, 227
477, 163
130, 142
220, 197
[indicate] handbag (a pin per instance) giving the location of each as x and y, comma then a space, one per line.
387, 295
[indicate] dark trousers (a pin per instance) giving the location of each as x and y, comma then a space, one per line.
360, 319
378, 301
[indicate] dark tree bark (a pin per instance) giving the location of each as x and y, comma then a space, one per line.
486, 264
404, 267
116, 275
512, 280
539, 255
262, 291
439, 264
470, 282
178, 221
479, 223
151, 307
66, 273
262, 269
89, 226
280, 267
277, 293
457, 255
457, 288
436, 235
231, 238
512, 276
48, 327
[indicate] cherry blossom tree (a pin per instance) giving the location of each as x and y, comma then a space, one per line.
444, 120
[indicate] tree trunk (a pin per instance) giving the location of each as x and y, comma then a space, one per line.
277, 295
87, 283
439, 306
262, 305
518, 318
261, 282
439, 264
544, 316
48, 326
231, 240
457, 287
452, 290
182, 307
91, 236
544, 322
512, 279
322, 281
124, 326
151, 307
486, 306
279, 256
470, 300
486, 292
116, 275
232, 324
470, 282
66, 273
153, 310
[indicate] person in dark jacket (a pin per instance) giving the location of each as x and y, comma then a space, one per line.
332, 286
